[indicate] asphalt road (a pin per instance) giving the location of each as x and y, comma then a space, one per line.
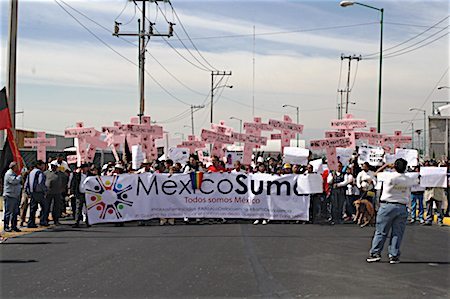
229, 260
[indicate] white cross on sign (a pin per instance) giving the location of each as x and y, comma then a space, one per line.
288, 130
330, 145
41, 144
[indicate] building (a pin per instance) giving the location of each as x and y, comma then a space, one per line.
439, 131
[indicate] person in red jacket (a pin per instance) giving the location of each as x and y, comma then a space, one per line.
216, 166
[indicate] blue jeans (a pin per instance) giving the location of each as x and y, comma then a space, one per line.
390, 217
11, 211
416, 197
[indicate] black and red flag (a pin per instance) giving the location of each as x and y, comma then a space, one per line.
10, 150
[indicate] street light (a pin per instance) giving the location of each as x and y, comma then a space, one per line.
443, 87
412, 129
212, 96
240, 123
381, 10
298, 110
424, 128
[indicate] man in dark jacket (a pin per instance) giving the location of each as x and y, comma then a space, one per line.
77, 189
36, 189
54, 185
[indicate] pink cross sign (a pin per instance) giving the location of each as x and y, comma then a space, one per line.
192, 144
80, 133
85, 137
41, 144
372, 137
114, 137
256, 127
217, 139
330, 145
288, 130
250, 142
398, 140
347, 125
218, 146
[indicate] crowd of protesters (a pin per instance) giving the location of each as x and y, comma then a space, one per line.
56, 190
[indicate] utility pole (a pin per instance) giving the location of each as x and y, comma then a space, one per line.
12, 57
216, 73
341, 103
192, 116
144, 38
350, 58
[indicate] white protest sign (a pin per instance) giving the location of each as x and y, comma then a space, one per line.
137, 156
372, 155
344, 155
233, 156
310, 183
317, 165
410, 155
433, 177
178, 155
389, 158
296, 155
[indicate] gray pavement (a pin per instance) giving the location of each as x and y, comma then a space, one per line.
229, 260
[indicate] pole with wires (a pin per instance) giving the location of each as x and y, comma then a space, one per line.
144, 38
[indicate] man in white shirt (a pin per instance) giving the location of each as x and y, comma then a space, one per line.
393, 214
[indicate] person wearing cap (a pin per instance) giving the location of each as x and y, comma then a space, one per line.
54, 183
36, 189
393, 212
287, 168
77, 189
12, 187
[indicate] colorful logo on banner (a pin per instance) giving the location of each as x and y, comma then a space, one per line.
108, 197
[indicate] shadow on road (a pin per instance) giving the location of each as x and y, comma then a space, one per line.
33, 243
17, 261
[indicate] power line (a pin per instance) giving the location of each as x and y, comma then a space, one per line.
185, 32
284, 32
410, 39
369, 56
417, 48
120, 54
134, 44
202, 67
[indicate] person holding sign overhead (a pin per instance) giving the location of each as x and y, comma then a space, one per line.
393, 213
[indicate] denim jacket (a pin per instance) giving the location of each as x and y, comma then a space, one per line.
12, 185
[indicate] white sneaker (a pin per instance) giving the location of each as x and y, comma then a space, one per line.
256, 222
264, 222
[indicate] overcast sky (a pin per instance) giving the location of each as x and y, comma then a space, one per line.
66, 75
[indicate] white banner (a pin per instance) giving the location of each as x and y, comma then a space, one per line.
410, 155
221, 195
433, 177
372, 155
